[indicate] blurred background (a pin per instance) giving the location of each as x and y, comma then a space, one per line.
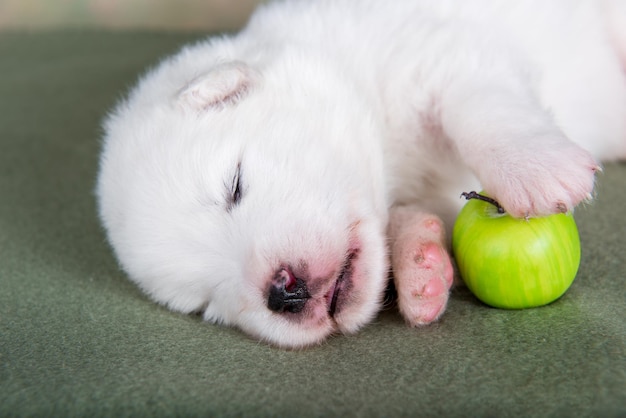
192, 15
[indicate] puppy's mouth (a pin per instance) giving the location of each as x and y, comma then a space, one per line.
342, 284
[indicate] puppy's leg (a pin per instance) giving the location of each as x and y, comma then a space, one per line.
421, 265
512, 144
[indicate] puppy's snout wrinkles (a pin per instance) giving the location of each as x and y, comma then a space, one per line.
287, 292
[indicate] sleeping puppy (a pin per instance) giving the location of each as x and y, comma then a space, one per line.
270, 179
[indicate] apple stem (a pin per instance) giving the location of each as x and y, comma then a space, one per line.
474, 195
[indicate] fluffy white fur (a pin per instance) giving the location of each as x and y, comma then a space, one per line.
246, 162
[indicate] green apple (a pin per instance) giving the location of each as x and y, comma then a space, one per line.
514, 263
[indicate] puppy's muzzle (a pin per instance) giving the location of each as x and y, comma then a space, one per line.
288, 293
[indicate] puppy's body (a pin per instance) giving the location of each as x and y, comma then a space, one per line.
253, 177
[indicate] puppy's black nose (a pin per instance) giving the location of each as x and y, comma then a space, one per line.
287, 292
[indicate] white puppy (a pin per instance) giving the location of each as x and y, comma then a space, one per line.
263, 178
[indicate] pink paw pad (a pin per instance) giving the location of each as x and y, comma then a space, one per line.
433, 256
424, 291
429, 255
433, 288
421, 265
433, 224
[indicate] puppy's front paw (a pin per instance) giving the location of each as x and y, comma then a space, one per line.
422, 270
550, 176
423, 283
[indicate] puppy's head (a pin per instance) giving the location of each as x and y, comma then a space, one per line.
250, 195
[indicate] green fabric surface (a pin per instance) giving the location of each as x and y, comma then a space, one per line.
78, 339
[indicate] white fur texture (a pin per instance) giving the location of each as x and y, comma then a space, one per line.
279, 152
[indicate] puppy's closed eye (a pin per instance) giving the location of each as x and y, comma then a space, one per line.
235, 189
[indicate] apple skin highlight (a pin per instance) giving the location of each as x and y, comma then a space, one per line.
515, 263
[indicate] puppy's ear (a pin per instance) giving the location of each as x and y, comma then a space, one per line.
223, 86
